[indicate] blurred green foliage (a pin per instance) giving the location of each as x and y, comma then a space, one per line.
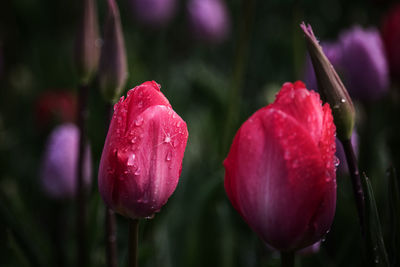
198, 226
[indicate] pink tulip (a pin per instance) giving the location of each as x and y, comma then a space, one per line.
280, 170
142, 155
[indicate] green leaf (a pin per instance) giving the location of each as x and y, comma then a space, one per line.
376, 253
394, 210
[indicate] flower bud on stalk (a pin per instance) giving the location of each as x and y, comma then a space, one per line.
86, 45
113, 65
331, 87
142, 155
280, 170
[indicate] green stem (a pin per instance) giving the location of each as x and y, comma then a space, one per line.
356, 182
241, 51
111, 237
80, 196
287, 259
133, 242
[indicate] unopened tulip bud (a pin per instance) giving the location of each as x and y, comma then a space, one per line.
280, 170
87, 48
142, 155
113, 67
331, 87
60, 161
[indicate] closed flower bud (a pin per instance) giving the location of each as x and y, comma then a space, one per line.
154, 13
113, 67
209, 20
280, 170
60, 162
391, 39
331, 87
142, 155
87, 48
334, 53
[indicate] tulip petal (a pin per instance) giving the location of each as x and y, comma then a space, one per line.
146, 164
277, 188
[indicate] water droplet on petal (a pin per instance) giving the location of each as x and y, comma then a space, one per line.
139, 121
131, 160
336, 161
343, 100
176, 142
169, 156
137, 172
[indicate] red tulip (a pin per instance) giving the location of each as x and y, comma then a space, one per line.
142, 155
391, 39
280, 170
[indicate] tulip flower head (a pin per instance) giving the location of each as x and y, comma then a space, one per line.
209, 20
280, 173
142, 155
333, 52
330, 86
358, 56
154, 13
57, 106
87, 49
365, 68
60, 162
113, 66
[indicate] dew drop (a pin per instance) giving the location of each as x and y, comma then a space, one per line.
137, 172
167, 139
139, 121
343, 100
110, 171
176, 142
336, 161
131, 160
169, 156
150, 217
134, 139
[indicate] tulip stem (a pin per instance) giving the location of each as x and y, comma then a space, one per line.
356, 182
133, 242
241, 53
111, 237
80, 196
287, 259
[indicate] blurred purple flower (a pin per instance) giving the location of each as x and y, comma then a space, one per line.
154, 12
209, 20
365, 66
343, 168
59, 163
359, 58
